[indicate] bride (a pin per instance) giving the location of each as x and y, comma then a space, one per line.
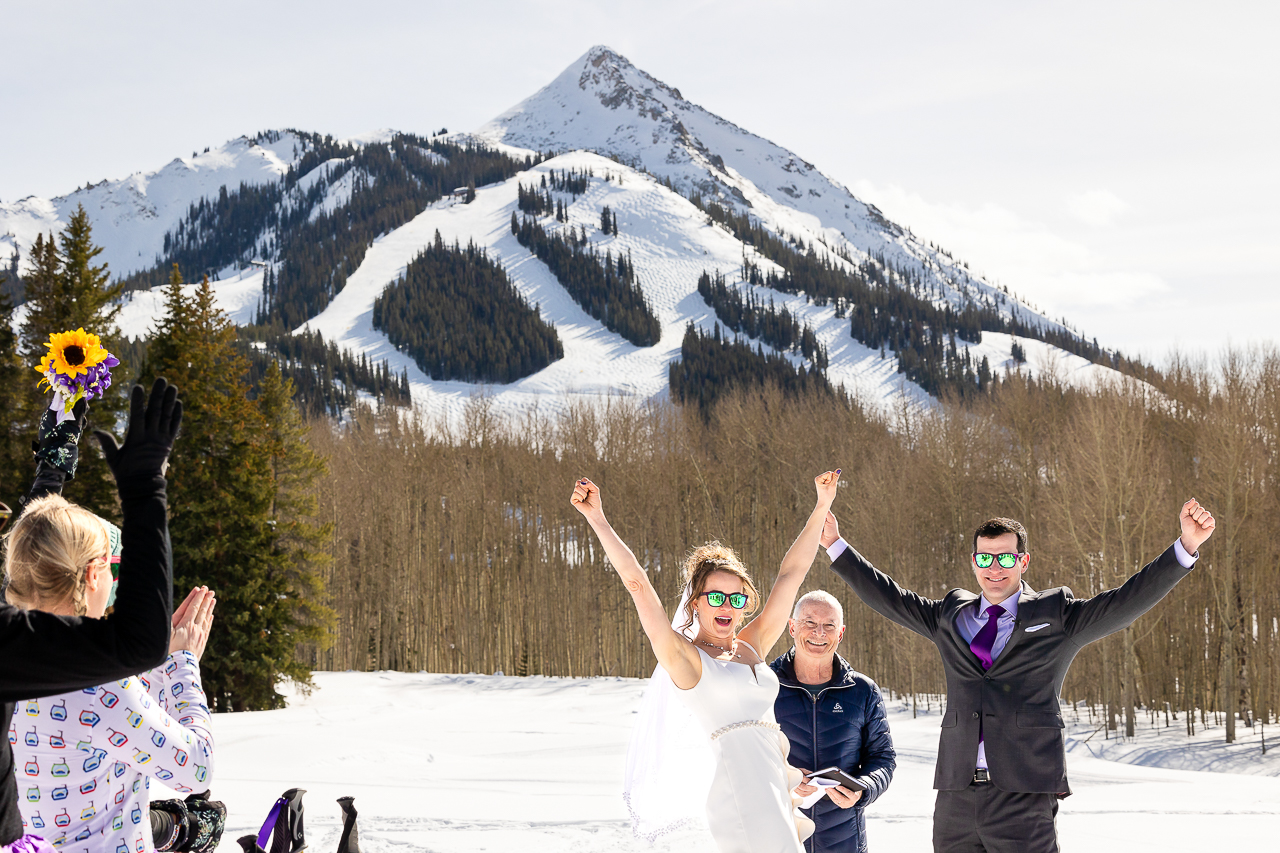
717, 668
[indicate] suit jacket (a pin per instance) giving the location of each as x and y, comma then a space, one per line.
1016, 700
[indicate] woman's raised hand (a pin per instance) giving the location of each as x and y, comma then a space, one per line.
192, 621
586, 499
826, 482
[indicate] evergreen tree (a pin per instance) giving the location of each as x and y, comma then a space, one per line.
222, 496
67, 290
93, 301
299, 539
16, 468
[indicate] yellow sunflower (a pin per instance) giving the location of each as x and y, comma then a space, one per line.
73, 353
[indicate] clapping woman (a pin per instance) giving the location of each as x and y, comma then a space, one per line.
716, 663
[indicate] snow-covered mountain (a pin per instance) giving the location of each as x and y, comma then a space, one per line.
649, 151
131, 216
605, 104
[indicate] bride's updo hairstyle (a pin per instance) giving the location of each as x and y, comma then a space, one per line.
698, 566
47, 553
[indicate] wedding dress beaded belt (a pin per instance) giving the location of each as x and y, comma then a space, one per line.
745, 724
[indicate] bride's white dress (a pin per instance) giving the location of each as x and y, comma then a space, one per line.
750, 808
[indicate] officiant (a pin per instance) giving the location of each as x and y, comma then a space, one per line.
834, 716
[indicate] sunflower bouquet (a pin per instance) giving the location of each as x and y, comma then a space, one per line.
76, 367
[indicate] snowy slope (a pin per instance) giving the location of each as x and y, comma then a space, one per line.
449, 763
602, 113
603, 103
671, 243
130, 216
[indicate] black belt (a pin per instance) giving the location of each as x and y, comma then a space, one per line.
981, 775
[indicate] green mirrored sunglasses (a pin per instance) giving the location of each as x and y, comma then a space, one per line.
1006, 561
737, 600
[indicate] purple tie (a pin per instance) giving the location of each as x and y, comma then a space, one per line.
982, 641
981, 645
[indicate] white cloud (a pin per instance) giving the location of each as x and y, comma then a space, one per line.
1096, 207
1057, 274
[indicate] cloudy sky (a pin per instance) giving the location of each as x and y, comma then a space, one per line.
1114, 163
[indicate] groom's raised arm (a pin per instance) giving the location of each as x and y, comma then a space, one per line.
876, 589
1088, 620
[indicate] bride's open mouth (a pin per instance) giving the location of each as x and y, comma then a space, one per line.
724, 621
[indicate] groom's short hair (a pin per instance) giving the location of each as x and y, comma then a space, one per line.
994, 527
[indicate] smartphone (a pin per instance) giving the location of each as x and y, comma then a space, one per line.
839, 777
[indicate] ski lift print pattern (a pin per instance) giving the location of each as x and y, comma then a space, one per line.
176, 752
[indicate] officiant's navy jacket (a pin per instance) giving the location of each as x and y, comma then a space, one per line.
844, 727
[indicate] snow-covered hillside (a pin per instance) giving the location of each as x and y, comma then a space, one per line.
130, 216
649, 150
671, 243
603, 103
451, 763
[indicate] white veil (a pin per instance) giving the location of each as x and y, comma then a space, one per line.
669, 760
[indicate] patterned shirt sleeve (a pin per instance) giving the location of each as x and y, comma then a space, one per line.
173, 745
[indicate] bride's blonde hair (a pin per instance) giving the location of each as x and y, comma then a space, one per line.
698, 566
47, 552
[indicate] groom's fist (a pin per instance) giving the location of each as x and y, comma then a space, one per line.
1197, 525
830, 530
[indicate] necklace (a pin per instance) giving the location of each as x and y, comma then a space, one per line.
720, 649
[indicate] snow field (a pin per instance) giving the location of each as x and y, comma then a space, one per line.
130, 216
450, 763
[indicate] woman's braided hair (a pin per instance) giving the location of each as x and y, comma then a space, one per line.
47, 552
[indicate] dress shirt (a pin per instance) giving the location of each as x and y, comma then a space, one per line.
970, 620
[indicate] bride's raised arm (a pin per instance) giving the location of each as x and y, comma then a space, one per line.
673, 651
765, 629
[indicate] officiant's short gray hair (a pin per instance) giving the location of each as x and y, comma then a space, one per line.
819, 596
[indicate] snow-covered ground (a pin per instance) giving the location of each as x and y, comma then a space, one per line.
450, 763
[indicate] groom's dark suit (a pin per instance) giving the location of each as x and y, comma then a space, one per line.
1014, 704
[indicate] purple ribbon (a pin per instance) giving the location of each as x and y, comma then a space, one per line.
264, 834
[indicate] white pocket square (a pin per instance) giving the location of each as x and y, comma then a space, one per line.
1035, 628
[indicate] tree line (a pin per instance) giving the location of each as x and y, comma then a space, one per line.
749, 316
889, 307
326, 380
460, 317
456, 550
606, 288
712, 365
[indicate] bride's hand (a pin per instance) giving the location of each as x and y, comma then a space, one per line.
804, 789
826, 484
586, 499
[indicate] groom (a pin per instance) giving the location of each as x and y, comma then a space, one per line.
1001, 757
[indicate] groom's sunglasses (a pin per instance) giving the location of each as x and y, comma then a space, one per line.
737, 600
1006, 561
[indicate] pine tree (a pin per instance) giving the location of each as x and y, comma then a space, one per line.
299, 540
66, 290
221, 499
16, 468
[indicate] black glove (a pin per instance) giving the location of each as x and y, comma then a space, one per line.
58, 443
142, 457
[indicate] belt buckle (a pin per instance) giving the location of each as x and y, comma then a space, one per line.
981, 775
